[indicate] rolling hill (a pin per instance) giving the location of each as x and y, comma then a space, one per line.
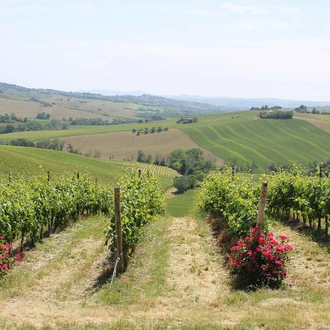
33, 161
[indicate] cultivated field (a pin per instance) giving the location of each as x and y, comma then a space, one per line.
320, 121
24, 107
245, 137
124, 145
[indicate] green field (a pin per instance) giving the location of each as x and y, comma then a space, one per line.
30, 161
245, 138
182, 205
238, 135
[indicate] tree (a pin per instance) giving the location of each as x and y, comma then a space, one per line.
178, 160
181, 184
149, 159
141, 157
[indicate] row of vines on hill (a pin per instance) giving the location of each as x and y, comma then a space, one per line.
29, 207
141, 199
305, 198
234, 199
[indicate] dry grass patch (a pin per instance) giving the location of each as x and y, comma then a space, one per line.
124, 145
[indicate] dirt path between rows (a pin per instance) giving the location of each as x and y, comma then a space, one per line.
59, 283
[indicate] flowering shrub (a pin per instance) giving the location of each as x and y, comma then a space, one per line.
259, 260
6, 261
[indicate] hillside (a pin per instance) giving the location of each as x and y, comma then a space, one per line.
32, 161
241, 137
245, 138
28, 102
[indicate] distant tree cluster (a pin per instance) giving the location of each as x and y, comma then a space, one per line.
89, 121
42, 115
186, 120
12, 118
301, 109
50, 144
192, 165
265, 107
237, 166
147, 131
43, 103
276, 114
44, 144
35, 125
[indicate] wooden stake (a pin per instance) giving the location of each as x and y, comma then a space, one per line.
262, 205
119, 237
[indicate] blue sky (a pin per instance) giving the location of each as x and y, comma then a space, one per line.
251, 48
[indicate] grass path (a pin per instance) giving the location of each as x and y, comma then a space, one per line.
175, 280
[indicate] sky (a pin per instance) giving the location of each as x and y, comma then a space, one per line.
255, 48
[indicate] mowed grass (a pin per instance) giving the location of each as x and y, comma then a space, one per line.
181, 205
244, 137
31, 161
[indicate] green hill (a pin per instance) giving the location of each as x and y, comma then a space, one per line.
30, 161
245, 137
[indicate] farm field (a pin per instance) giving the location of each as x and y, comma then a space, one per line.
124, 145
31, 161
239, 136
23, 107
176, 279
247, 138
320, 121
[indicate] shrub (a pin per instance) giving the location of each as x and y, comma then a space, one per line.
6, 261
259, 260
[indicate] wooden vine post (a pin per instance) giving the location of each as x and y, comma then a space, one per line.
119, 236
262, 205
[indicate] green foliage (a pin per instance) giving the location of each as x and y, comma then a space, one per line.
301, 109
43, 115
276, 114
293, 192
232, 199
141, 200
181, 183
29, 205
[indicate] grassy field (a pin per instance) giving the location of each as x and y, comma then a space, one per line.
181, 205
240, 135
31, 161
177, 279
244, 137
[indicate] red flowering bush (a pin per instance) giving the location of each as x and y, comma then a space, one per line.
259, 260
6, 261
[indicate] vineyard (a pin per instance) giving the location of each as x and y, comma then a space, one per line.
291, 195
29, 207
